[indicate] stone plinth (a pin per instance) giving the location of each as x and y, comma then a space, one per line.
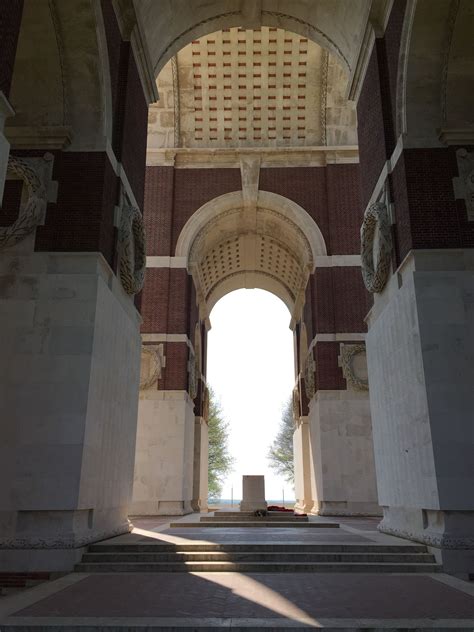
253, 493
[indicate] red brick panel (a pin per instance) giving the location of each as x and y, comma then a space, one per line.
135, 120
304, 185
437, 219
175, 374
195, 187
10, 21
328, 374
323, 302
82, 219
372, 152
154, 301
193, 311
165, 301
344, 209
11, 202
402, 230
158, 210
351, 300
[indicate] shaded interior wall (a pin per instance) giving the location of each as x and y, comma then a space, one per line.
10, 20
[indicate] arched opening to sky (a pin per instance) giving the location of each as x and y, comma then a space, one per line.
250, 366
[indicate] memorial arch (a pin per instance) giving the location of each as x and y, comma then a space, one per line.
357, 112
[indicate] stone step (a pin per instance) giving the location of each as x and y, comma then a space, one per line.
249, 556
255, 567
254, 524
239, 519
164, 547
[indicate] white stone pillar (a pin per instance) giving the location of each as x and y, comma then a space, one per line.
69, 375
302, 461
5, 112
342, 451
163, 481
420, 349
200, 471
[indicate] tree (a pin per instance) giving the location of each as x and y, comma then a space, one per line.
220, 461
280, 453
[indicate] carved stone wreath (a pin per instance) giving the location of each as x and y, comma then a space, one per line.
133, 255
32, 213
376, 269
150, 355
309, 369
347, 355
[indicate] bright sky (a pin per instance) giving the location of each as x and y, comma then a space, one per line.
250, 368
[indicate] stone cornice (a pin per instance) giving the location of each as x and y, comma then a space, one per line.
186, 158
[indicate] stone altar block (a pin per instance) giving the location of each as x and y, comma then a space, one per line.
253, 493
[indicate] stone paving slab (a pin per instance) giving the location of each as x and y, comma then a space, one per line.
255, 596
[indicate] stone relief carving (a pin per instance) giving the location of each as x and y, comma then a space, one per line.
464, 185
133, 256
376, 265
346, 362
309, 381
32, 213
151, 365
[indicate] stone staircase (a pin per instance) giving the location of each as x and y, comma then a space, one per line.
257, 558
229, 519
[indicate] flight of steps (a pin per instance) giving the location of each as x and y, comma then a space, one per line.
229, 519
257, 558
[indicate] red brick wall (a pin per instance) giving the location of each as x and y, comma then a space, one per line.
10, 21
195, 187
340, 300
166, 301
304, 185
328, 374
175, 373
135, 121
372, 154
158, 210
344, 209
82, 218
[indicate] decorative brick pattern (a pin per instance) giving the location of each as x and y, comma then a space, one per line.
10, 21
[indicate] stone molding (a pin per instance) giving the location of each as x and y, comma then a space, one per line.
157, 360
437, 540
346, 362
222, 158
166, 262
33, 211
376, 269
132, 255
337, 261
49, 137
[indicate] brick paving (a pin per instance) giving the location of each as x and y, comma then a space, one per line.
259, 595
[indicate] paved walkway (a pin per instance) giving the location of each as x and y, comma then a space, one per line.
283, 601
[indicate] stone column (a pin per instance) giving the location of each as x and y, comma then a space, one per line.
421, 370
341, 444
163, 481
69, 371
200, 476
303, 474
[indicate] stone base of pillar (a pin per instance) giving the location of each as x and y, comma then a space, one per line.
341, 444
70, 367
163, 481
302, 467
200, 469
420, 347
